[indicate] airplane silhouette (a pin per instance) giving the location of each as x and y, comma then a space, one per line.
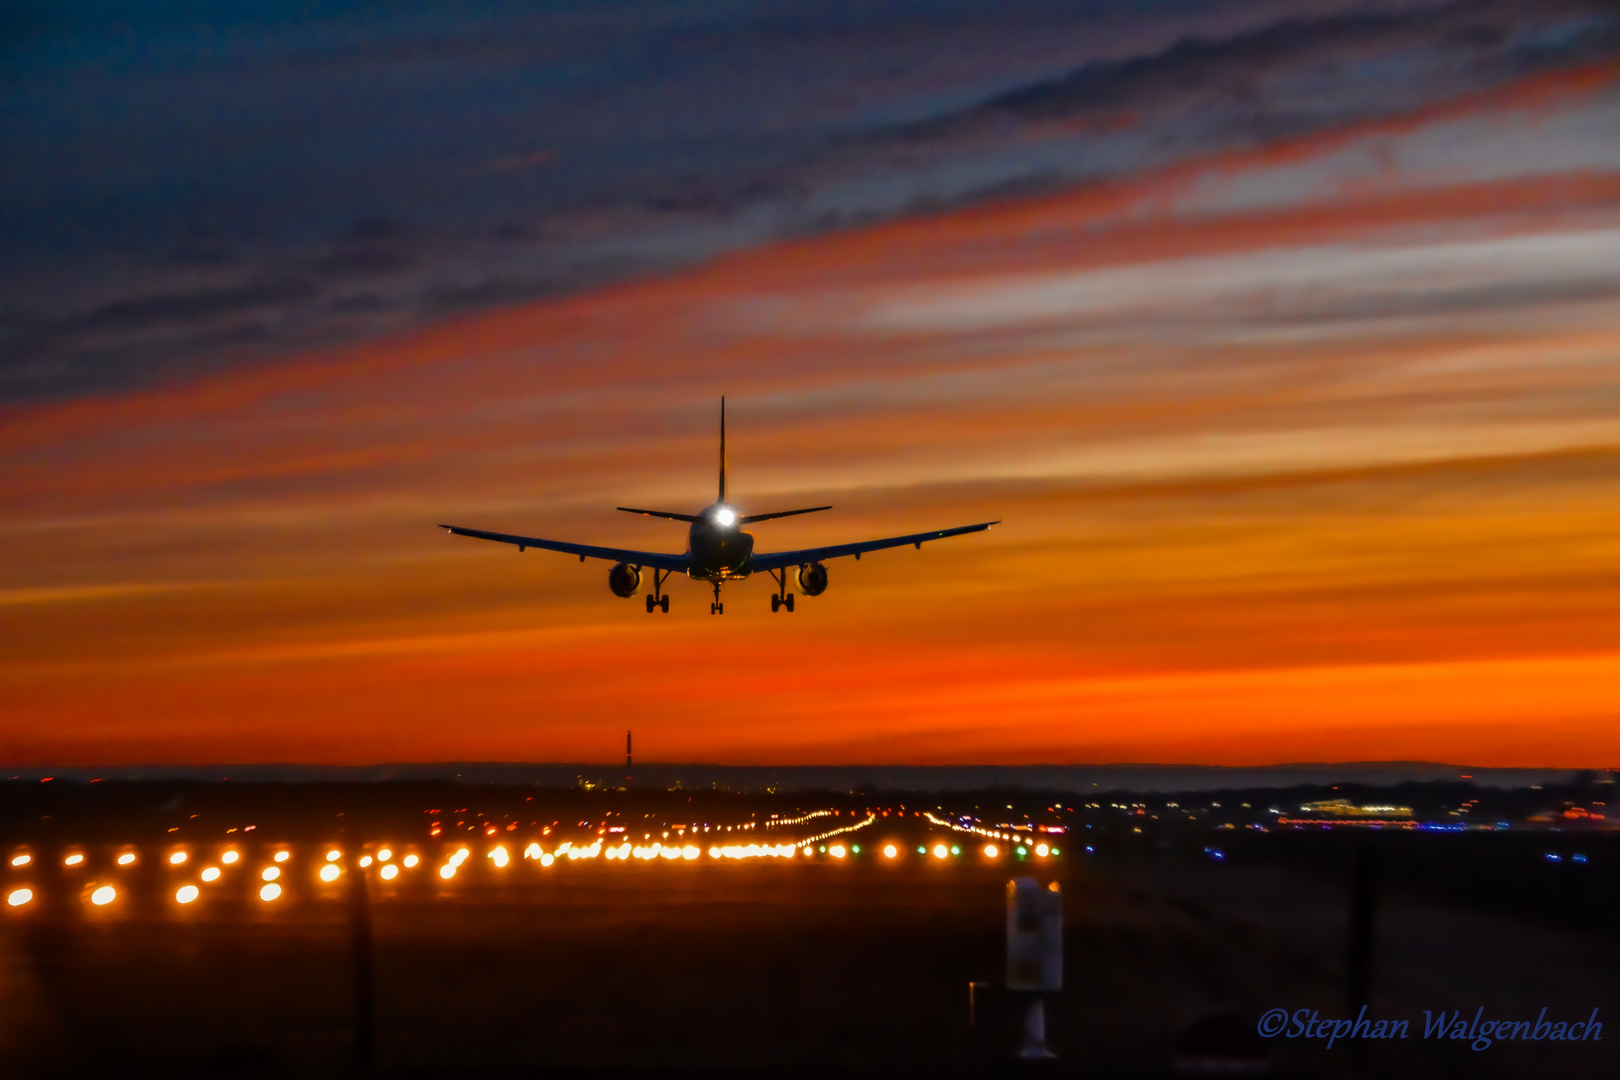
718, 550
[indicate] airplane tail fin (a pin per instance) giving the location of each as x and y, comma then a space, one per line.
722, 449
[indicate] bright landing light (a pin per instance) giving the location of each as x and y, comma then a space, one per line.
229, 857
177, 858
726, 516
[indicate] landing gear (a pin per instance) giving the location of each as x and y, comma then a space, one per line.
783, 598
717, 608
657, 598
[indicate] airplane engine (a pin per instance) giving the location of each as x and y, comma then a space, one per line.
624, 580
813, 579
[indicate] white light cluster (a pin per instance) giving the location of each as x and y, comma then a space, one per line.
870, 817
800, 820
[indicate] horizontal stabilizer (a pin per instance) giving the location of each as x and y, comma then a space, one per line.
659, 513
751, 518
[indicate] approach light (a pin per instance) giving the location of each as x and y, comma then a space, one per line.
330, 872
991, 851
390, 872
726, 516
411, 860
271, 873
210, 873
103, 896
19, 897
21, 860
228, 858
126, 858
283, 856
891, 851
447, 871
334, 855
74, 860
177, 858
365, 860
384, 855
186, 894
270, 892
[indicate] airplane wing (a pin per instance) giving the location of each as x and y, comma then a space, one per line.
675, 563
776, 560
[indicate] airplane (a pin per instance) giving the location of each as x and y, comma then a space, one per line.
718, 550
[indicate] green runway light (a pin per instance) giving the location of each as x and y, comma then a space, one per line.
1020, 853
955, 850
922, 851
822, 848
1055, 851
856, 848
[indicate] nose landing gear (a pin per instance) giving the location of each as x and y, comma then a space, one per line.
657, 598
783, 598
717, 608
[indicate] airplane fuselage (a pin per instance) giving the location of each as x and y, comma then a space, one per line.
717, 545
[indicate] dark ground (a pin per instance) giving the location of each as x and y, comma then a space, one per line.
809, 965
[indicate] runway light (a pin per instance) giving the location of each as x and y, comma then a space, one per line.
270, 892
211, 873
186, 894
177, 858
19, 897
836, 851
1021, 853
940, 851
271, 873
447, 871
547, 859
1041, 850
283, 856
334, 855
714, 852
955, 850
73, 860
890, 850
227, 858
532, 851
385, 854
922, 851
21, 860
330, 872
500, 856
690, 852
410, 861
126, 858
390, 872
991, 851
104, 896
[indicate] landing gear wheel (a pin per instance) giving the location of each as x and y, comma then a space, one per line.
663, 605
787, 602
651, 603
717, 609
776, 604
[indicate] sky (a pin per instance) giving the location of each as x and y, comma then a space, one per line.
1281, 338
